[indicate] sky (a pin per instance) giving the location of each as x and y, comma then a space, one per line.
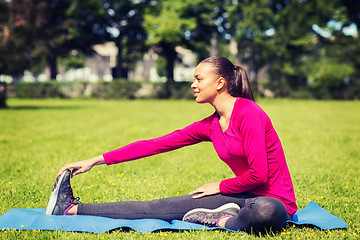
350, 30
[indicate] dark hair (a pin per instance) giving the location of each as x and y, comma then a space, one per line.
237, 81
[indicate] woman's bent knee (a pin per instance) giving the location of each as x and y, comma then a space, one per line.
259, 214
268, 213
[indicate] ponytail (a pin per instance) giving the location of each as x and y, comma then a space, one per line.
238, 84
240, 87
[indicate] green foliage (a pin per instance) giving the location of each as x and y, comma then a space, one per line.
167, 24
37, 90
124, 26
14, 50
284, 37
188, 23
161, 66
38, 31
250, 23
328, 73
178, 90
275, 35
121, 89
182, 90
304, 56
74, 60
320, 140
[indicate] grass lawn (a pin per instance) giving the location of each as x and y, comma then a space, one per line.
321, 140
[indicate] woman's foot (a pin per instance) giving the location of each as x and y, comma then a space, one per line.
212, 217
61, 198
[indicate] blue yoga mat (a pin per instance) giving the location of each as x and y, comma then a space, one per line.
35, 219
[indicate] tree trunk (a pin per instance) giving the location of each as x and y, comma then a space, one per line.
117, 71
3, 95
170, 64
125, 73
256, 81
213, 45
170, 55
52, 61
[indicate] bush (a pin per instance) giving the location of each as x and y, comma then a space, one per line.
182, 90
178, 90
37, 90
116, 90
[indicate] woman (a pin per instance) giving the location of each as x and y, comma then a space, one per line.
259, 197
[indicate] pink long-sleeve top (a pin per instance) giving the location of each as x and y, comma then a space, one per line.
250, 147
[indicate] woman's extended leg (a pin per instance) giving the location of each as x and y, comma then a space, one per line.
168, 209
256, 212
62, 202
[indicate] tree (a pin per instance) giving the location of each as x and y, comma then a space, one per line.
166, 27
3, 95
69, 25
124, 25
253, 31
188, 23
297, 40
15, 36
11, 62
334, 67
45, 30
211, 27
316, 50
302, 42
352, 10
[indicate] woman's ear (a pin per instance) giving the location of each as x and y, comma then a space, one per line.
220, 83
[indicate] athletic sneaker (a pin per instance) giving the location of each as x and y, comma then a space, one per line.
211, 217
61, 198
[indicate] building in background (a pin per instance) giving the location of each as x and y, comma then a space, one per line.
98, 68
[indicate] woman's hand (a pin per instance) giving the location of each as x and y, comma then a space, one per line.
207, 189
82, 166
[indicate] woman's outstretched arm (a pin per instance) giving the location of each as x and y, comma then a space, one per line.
192, 134
189, 135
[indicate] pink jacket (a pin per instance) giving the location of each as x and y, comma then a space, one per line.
250, 147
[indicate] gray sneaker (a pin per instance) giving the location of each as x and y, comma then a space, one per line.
211, 217
61, 198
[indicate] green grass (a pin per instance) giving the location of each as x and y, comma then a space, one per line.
321, 141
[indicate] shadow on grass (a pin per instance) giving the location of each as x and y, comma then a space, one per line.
41, 108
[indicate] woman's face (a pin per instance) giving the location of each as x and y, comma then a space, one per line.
205, 83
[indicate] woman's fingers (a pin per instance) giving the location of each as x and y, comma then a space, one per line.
78, 167
69, 167
207, 189
63, 169
82, 166
200, 195
205, 193
198, 190
76, 172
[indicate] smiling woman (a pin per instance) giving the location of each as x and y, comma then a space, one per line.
259, 197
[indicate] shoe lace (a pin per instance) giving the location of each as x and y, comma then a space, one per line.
73, 200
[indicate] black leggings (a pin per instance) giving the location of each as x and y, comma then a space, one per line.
256, 212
